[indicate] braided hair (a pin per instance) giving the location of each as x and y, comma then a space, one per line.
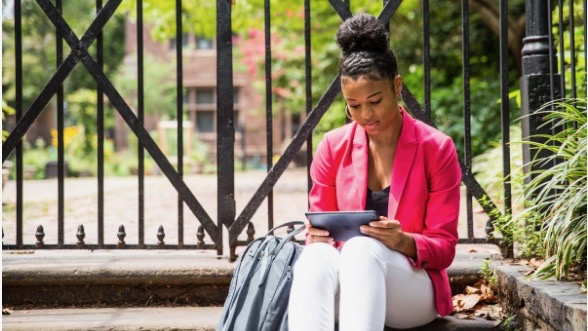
365, 49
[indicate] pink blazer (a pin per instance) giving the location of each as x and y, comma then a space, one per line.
424, 193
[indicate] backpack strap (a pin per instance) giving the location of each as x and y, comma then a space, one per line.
291, 234
283, 241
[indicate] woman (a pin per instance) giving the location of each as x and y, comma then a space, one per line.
389, 162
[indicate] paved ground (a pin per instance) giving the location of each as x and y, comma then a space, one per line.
120, 200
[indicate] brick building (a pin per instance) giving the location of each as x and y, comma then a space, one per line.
199, 81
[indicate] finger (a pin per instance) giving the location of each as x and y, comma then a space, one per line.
390, 224
323, 239
317, 232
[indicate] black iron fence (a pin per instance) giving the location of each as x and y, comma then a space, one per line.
542, 80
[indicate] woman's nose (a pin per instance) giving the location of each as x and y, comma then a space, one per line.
367, 112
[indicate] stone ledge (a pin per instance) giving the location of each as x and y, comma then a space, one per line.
179, 319
544, 305
123, 278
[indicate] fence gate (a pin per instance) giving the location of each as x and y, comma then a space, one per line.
227, 214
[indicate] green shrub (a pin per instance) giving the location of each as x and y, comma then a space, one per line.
556, 196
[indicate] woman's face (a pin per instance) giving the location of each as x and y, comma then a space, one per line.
373, 103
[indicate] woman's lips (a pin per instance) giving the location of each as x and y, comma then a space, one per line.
371, 124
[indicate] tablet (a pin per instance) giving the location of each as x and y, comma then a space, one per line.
342, 225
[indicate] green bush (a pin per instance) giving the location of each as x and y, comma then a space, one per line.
556, 196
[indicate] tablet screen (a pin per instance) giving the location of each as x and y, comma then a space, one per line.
342, 225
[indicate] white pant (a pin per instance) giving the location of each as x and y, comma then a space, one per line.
367, 283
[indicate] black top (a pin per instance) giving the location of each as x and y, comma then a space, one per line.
378, 201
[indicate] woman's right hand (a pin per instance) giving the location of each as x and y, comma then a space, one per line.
316, 235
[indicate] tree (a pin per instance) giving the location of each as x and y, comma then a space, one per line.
39, 54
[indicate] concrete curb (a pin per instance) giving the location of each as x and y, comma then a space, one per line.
538, 304
167, 319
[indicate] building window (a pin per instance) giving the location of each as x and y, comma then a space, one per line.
204, 96
186, 96
203, 43
205, 121
202, 105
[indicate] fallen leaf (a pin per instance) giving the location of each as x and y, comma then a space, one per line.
467, 302
473, 251
472, 290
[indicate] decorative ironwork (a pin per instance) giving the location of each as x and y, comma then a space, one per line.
40, 234
160, 236
81, 235
121, 234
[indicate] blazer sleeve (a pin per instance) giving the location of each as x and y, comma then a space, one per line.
323, 196
436, 244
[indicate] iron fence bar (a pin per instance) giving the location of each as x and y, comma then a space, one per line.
342, 8
225, 111
100, 132
551, 55
60, 148
140, 113
52, 86
562, 59
37, 106
268, 107
465, 26
573, 51
388, 11
124, 110
348, 7
505, 111
308, 77
415, 108
180, 114
18, 113
427, 54
278, 169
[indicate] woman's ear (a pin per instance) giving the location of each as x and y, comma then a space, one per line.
398, 86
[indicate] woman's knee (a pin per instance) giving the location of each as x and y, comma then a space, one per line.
317, 261
361, 247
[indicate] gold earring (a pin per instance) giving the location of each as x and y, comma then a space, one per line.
347, 113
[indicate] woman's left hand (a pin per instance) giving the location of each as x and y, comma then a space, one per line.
390, 233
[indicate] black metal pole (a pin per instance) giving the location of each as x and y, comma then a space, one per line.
269, 108
467, 116
60, 142
100, 133
18, 111
536, 81
505, 123
140, 112
308, 76
180, 114
225, 126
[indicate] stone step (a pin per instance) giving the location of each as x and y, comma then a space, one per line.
119, 278
178, 319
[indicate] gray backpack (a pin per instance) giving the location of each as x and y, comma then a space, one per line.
260, 288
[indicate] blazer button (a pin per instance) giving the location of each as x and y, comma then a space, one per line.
424, 264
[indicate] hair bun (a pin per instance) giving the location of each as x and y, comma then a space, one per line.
362, 32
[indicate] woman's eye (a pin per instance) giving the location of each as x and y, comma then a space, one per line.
353, 106
376, 102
